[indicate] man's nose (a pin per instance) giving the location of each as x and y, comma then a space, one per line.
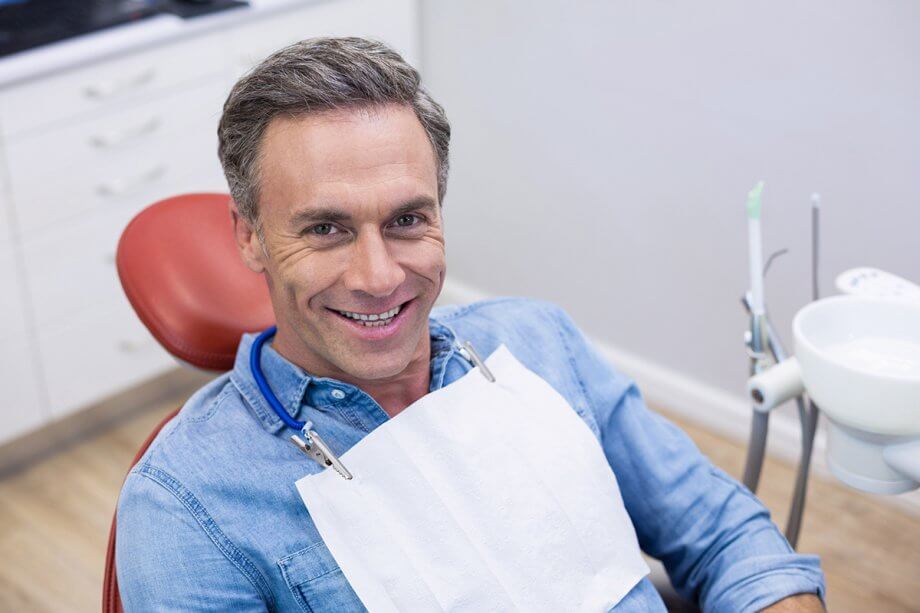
372, 269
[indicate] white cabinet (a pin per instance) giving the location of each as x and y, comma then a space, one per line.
127, 157
21, 405
123, 354
83, 152
12, 309
71, 268
95, 89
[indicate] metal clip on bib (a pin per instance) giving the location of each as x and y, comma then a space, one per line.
467, 351
317, 450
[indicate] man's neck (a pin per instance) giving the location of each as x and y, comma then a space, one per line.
393, 394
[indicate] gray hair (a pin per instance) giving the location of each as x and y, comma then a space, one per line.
314, 76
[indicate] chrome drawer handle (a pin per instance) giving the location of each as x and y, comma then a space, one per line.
108, 89
118, 187
120, 137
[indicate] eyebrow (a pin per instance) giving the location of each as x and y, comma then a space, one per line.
333, 214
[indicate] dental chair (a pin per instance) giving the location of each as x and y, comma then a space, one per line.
181, 271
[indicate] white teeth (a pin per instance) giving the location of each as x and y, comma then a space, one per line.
373, 321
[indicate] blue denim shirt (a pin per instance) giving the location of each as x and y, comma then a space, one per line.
210, 519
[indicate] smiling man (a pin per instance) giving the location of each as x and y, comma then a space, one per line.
349, 235
337, 163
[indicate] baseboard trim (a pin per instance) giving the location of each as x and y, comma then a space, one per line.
705, 405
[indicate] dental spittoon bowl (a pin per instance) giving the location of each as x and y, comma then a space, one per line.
860, 363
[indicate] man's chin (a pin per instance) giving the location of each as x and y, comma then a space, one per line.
373, 368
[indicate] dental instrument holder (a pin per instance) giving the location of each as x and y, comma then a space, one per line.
760, 336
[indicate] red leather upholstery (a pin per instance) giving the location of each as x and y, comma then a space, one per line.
179, 267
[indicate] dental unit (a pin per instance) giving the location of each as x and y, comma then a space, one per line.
857, 357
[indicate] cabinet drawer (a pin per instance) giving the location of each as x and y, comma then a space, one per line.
125, 157
71, 267
100, 353
106, 84
12, 311
21, 407
392, 21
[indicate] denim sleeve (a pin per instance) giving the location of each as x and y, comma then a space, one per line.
165, 559
714, 537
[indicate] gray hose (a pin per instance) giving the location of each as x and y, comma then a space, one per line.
794, 524
757, 447
760, 421
809, 419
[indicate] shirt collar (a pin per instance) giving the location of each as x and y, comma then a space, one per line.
295, 387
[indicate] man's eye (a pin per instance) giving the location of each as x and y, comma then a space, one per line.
323, 229
407, 220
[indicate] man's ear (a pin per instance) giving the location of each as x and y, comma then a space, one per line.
247, 240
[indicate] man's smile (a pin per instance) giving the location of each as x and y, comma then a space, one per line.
376, 326
373, 319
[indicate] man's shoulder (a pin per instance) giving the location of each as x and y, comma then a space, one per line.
196, 433
538, 333
504, 316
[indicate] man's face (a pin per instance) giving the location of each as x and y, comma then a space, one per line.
350, 223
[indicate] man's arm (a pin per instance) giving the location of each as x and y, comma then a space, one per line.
713, 536
168, 561
800, 603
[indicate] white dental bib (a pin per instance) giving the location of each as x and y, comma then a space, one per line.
479, 496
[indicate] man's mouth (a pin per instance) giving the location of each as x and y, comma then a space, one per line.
372, 320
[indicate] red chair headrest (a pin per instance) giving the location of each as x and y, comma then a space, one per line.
180, 268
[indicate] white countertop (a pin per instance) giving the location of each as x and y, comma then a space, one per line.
82, 50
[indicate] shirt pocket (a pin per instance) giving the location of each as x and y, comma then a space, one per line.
316, 581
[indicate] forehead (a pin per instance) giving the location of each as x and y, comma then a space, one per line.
353, 157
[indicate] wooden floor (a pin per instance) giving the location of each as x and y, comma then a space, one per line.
54, 522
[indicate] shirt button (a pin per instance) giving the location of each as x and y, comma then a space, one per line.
338, 394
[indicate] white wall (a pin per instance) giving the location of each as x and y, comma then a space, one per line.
602, 152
